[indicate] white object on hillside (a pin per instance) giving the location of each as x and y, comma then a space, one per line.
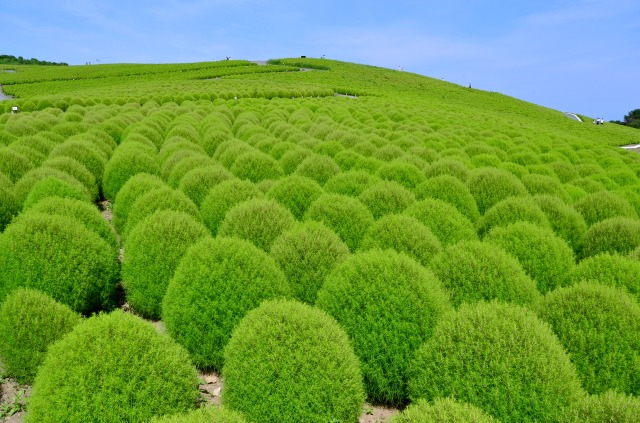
573, 116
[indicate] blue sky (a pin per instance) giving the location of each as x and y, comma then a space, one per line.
581, 56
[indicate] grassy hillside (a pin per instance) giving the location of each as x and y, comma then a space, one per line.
228, 184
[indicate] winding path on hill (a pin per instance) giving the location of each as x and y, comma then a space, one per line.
3, 96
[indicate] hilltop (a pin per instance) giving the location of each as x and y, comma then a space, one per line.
307, 234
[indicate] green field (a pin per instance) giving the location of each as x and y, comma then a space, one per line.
319, 234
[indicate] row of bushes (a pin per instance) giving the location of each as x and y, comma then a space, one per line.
288, 361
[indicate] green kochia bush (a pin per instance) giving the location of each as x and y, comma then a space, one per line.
565, 221
511, 210
603, 205
23, 187
259, 221
256, 166
451, 190
346, 216
611, 270
112, 368
610, 407
351, 183
614, 235
216, 283
319, 168
404, 234
599, 326
442, 410
500, 358
135, 187
307, 253
198, 182
388, 305
61, 257
405, 174
29, 322
210, 414
223, 197
386, 198
290, 362
473, 271
295, 193
444, 220
8, 205
127, 161
52, 186
489, 185
543, 255
153, 250
75, 169
163, 198
81, 211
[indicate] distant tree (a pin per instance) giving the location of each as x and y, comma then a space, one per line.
631, 119
6, 59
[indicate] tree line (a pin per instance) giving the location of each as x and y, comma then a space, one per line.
6, 59
631, 119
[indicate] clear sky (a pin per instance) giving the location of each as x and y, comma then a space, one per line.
579, 56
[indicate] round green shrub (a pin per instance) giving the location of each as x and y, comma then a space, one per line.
256, 166
500, 358
295, 193
112, 368
14, 164
406, 174
511, 210
351, 183
404, 234
135, 187
387, 197
198, 182
610, 407
346, 216
291, 159
29, 322
290, 362
475, 271
163, 198
257, 220
388, 304
442, 410
444, 220
222, 197
127, 161
185, 166
545, 185
8, 205
603, 205
451, 190
488, 186
599, 326
176, 158
75, 169
61, 257
306, 254
614, 235
565, 221
53, 187
210, 414
448, 166
215, 284
81, 211
23, 187
84, 152
319, 168
611, 270
153, 250
545, 257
